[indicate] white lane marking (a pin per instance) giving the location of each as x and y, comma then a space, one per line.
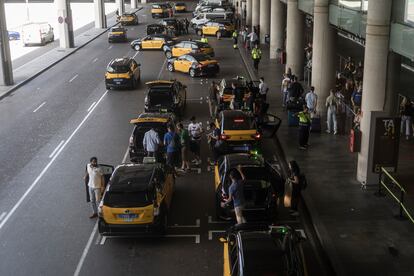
186, 226
197, 237
110, 47
103, 240
94, 60
136, 54
2, 215
125, 156
98, 239
56, 149
85, 250
19, 202
211, 221
210, 233
162, 67
40, 106
72, 79
89, 109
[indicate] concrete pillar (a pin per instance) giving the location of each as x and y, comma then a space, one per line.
143, 1
277, 27
100, 18
6, 69
393, 78
264, 19
294, 39
323, 53
66, 39
134, 4
120, 5
374, 83
255, 12
249, 12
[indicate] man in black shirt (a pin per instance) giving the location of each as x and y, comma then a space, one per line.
238, 96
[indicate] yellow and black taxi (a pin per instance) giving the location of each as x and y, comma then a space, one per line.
194, 64
128, 19
180, 7
160, 10
166, 96
136, 200
143, 123
117, 34
122, 73
188, 46
152, 42
263, 185
263, 250
239, 131
215, 28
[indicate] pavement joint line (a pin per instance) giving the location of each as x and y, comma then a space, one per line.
95, 60
125, 156
40, 106
211, 221
56, 149
98, 239
110, 47
196, 236
23, 197
2, 215
86, 250
72, 79
89, 109
103, 240
162, 67
135, 54
211, 232
196, 225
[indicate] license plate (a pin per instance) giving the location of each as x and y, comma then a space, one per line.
127, 217
117, 80
243, 148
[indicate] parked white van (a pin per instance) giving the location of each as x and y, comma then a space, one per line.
37, 33
203, 18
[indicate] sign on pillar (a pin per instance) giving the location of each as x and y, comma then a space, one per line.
66, 38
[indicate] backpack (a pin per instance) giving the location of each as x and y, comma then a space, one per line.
303, 183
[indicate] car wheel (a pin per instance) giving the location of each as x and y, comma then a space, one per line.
192, 73
133, 84
108, 87
168, 54
137, 47
199, 32
170, 67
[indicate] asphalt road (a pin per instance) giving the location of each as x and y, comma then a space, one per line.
54, 124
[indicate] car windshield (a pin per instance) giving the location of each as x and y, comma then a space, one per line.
238, 122
160, 98
117, 30
127, 199
118, 69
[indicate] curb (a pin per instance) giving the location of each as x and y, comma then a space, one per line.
30, 78
334, 265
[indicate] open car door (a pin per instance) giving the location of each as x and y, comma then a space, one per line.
270, 125
107, 171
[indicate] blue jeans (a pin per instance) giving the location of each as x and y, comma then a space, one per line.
285, 98
95, 197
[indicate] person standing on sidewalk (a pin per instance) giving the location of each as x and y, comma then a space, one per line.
253, 38
235, 36
304, 127
236, 194
263, 89
407, 112
285, 90
185, 145
256, 56
311, 100
95, 178
204, 39
172, 147
195, 130
331, 113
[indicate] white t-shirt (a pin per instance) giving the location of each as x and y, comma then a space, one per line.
285, 84
195, 130
95, 177
263, 88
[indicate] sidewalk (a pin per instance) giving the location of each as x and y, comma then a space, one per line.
357, 230
37, 66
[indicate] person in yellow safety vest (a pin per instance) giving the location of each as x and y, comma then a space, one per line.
304, 127
204, 39
256, 56
235, 36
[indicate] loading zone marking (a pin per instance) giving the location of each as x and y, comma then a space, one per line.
195, 236
196, 225
211, 221
210, 233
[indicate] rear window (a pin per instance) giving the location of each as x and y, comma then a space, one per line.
238, 123
118, 69
160, 97
123, 199
141, 128
156, 6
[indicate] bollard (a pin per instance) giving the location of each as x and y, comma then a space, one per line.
401, 216
379, 192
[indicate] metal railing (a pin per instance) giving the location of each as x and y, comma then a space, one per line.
383, 178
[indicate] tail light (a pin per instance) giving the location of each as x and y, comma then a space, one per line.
257, 136
224, 137
131, 141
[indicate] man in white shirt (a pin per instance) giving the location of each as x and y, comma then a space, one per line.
253, 39
285, 89
95, 184
311, 100
151, 142
263, 89
195, 130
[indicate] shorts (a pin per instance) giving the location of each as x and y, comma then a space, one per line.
184, 153
195, 147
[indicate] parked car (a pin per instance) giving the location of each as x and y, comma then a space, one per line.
37, 34
14, 35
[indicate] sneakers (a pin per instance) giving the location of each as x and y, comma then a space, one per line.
93, 216
335, 132
328, 131
302, 148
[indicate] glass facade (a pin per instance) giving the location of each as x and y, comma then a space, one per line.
357, 5
347, 19
409, 12
306, 6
